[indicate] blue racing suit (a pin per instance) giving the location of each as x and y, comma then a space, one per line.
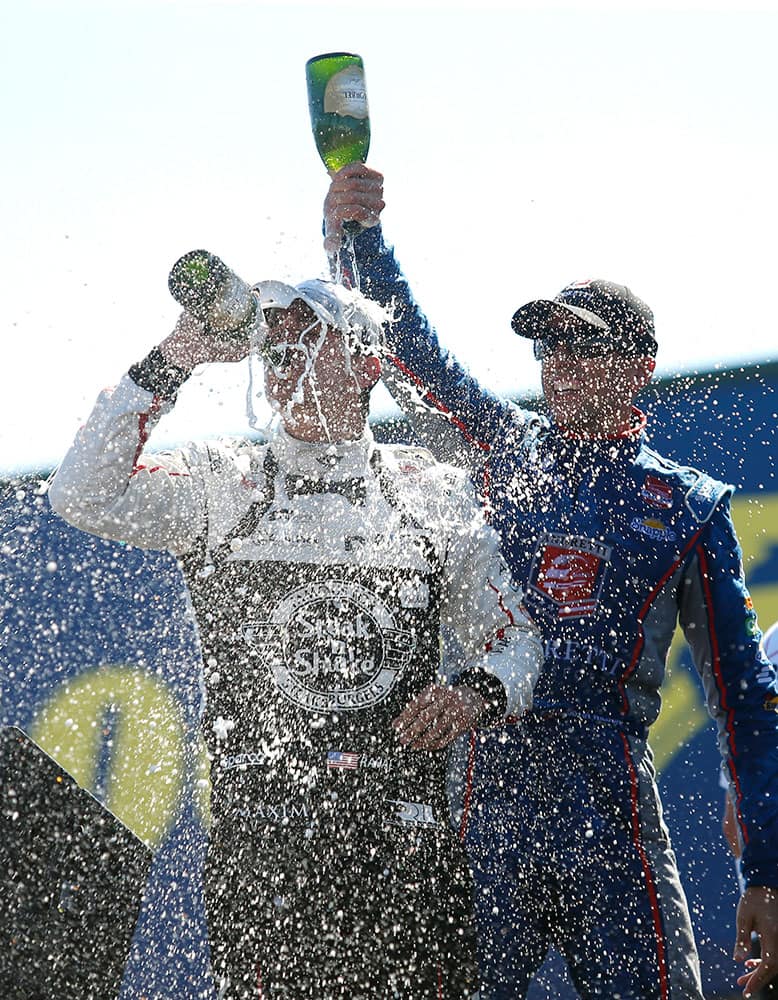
613, 545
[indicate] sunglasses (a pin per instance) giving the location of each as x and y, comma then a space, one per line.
585, 346
280, 354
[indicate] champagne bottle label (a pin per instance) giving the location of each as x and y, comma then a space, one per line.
345, 93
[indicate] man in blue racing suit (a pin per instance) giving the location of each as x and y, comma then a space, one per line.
614, 545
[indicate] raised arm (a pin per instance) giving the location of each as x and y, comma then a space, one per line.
109, 484
462, 417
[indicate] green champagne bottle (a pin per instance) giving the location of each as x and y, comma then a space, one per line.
337, 101
203, 284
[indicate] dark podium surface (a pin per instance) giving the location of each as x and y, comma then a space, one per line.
72, 878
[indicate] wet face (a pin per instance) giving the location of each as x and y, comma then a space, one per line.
311, 378
593, 396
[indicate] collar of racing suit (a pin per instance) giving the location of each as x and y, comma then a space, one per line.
633, 432
590, 455
322, 459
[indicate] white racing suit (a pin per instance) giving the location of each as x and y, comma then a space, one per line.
322, 578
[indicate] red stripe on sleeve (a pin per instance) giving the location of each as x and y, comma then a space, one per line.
721, 687
441, 407
500, 634
641, 617
502, 605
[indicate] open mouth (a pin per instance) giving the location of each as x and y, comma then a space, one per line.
564, 387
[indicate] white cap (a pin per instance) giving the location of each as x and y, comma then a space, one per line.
335, 305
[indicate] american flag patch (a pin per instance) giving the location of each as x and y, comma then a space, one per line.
337, 758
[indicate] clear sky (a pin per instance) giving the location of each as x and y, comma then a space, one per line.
524, 146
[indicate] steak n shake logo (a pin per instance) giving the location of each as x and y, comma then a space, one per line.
331, 646
570, 571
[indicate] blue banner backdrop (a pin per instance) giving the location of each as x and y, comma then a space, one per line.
100, 665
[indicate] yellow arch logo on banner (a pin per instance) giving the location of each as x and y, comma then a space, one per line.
141, 748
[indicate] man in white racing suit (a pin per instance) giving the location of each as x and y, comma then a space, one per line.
326, 574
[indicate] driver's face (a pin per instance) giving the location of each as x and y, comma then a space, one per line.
295, 337
590, 395
308, 366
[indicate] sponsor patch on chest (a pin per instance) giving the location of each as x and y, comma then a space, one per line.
657, 493
569, 571
653, 528
331, 645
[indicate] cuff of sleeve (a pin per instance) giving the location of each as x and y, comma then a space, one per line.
156, 374
491, 690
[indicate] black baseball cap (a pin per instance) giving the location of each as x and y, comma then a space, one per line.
606, 309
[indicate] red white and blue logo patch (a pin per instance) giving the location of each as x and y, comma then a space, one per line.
570, 571
657, 493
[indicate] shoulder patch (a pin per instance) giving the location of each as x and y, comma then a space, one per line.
704, 495
701, 493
